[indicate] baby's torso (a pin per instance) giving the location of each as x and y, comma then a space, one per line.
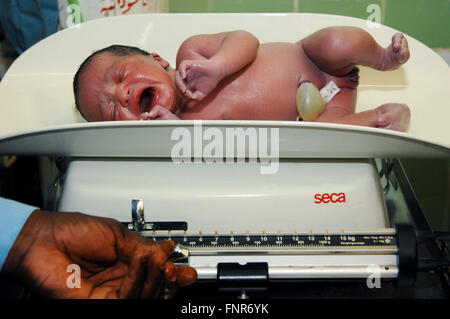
264, 90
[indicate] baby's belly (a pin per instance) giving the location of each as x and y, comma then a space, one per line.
265, 90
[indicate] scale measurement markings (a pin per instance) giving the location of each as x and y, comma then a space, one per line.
314, 240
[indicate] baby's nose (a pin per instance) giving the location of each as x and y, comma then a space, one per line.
124, 96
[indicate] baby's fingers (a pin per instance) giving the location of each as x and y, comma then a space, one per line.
198, 96
148, 116
152, 115
188, 93
144, 116
184, 66
180, 82
156, 112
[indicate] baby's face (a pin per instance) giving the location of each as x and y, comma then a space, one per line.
115, 88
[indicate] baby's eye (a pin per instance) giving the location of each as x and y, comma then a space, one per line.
121, 74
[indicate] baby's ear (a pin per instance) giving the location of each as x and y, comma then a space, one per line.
160, 60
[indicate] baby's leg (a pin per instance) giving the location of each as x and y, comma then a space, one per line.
336, 50
341, 109
392, 116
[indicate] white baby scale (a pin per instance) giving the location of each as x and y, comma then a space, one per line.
320, 213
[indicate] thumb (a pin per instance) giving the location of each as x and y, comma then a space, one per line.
166, 247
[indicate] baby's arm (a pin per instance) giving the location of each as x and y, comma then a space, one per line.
204, 60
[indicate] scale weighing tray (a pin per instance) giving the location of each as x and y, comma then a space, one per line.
112, 164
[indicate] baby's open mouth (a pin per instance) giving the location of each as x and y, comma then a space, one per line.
147, 97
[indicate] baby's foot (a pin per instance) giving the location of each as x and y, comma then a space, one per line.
395, 54
393, 116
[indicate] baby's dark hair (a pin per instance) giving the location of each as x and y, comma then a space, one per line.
116, 49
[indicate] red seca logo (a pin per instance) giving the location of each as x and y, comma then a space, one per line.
327, 198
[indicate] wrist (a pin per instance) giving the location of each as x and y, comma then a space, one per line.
30, 232
220, 68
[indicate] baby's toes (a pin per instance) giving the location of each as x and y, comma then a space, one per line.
397, 42
403, 54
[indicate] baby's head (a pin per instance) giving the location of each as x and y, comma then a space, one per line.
122, 82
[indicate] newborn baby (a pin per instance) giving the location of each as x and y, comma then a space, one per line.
231, 76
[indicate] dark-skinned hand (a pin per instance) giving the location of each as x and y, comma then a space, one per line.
115, 262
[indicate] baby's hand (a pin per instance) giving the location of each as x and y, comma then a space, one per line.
197, 78
158, 113
393, 116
